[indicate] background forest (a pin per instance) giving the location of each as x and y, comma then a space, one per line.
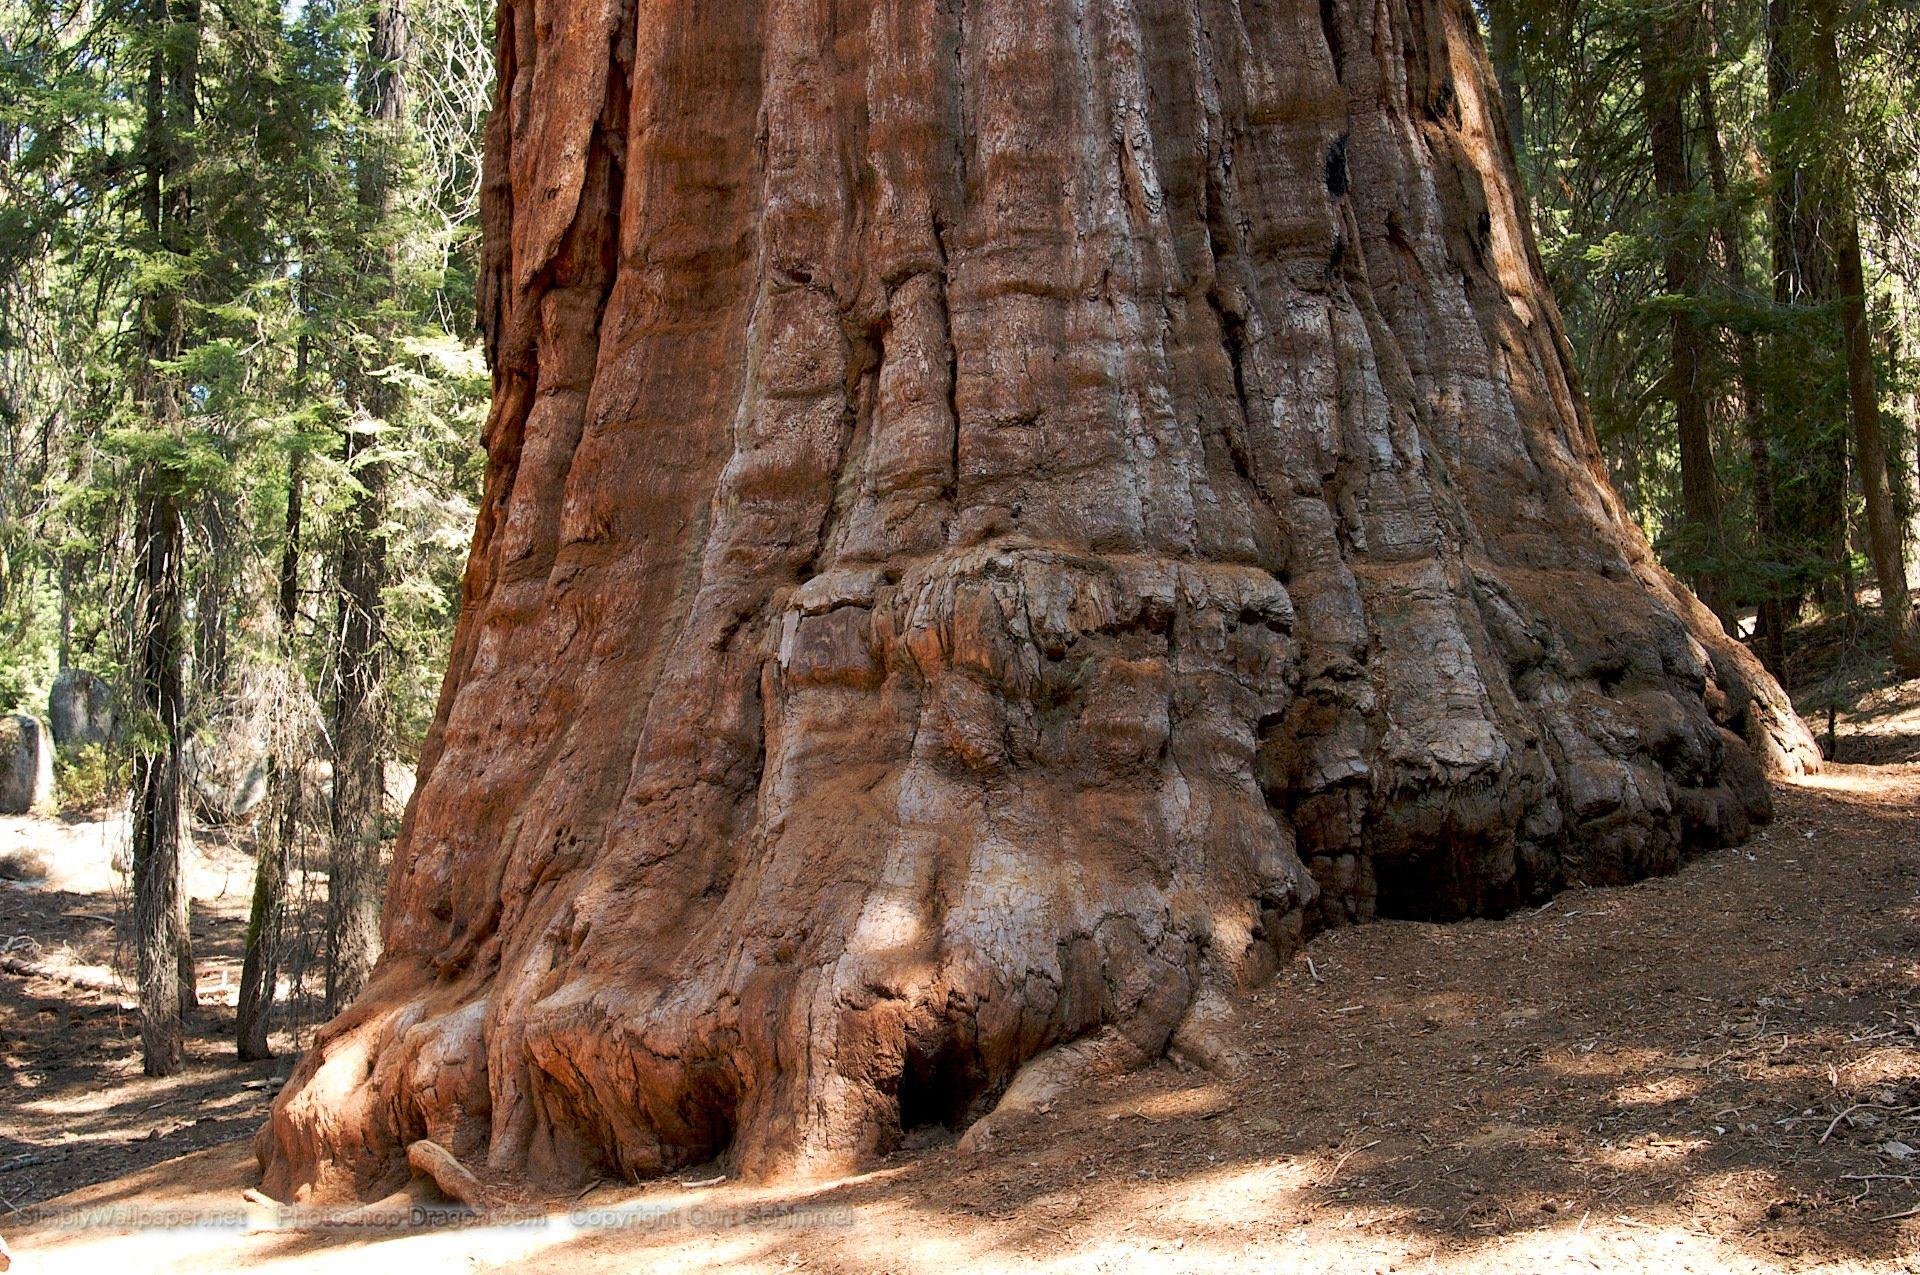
241, 390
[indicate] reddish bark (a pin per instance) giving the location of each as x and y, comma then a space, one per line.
998, 513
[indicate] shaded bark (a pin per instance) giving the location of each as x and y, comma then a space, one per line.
1667, 49
1803, 278
1840, 215
266, 918
359, 714
163, 953
998, 517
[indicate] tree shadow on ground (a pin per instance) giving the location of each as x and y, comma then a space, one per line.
1721, 1067
74, 1107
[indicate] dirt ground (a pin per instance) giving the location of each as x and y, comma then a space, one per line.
74, 1107
1718, 1071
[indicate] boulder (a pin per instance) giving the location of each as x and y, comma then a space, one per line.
226, 779
26, 765
397, 784
80, 709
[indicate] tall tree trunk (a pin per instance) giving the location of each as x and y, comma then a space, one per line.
163, 952
259, 967
1503, 47
1902, 358
219, 516
1886, 540
996, 515
359, 715
162, 949
1666, 56
1803, 278
266, 919
1770, 630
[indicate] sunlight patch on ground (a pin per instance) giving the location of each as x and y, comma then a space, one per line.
1659, 1091
1634, 1156
1865, 781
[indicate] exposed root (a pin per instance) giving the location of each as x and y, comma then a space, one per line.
1106, 1053
452, 1177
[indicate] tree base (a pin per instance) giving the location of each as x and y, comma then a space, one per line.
1001, 517
1032, 798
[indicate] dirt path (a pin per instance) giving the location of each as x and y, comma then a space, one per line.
74, 1108
1717, 1071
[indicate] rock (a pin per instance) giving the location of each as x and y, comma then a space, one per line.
316, 786
227, 779
80, 709
26, 765
25, 865
397, 790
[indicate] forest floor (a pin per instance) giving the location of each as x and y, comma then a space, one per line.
74, 1106
1714, 1071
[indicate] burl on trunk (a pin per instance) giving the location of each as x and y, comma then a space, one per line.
1000, 513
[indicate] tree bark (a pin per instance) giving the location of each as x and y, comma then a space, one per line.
979, 552
163, 952
260, 962
1666, 54
1771, 622
359, 716
1885, 535
1803, 278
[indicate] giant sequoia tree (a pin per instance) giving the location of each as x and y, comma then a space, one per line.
1000, 512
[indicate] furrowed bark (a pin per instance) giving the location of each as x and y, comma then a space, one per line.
999, 515
273, 861
359, 716
163, 951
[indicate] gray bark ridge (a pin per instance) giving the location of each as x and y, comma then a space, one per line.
999, 515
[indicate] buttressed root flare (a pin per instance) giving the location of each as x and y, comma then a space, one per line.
999, 517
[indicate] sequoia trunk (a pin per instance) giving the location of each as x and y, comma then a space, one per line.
999, 513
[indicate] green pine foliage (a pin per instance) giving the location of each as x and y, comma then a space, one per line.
278, 319
1776, 377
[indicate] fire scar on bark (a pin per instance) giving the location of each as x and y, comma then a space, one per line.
1000, 516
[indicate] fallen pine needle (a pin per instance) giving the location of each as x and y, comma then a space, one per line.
1339, 1164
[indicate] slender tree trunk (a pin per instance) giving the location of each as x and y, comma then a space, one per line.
1802, 279
1886, 538
213, 604
1503, 48
163, 950
66, 610
1901, 358
359, 716
1665, 55
1770, 631
259, 970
